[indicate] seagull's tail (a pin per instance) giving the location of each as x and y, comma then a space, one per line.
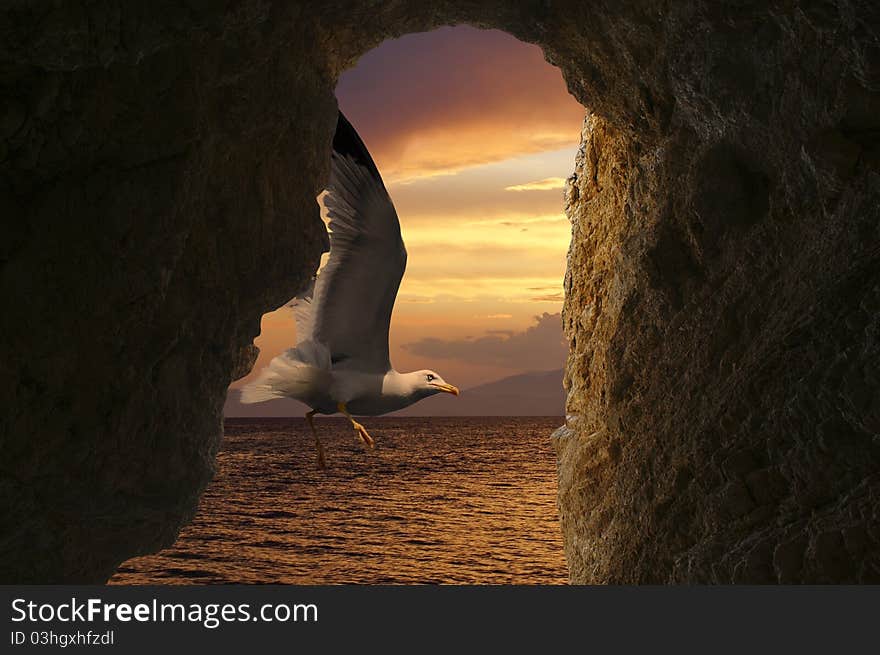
297, 373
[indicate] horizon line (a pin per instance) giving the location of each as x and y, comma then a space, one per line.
392, 416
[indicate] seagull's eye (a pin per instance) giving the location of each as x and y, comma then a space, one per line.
429, 377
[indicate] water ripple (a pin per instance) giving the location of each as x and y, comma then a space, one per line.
440, 500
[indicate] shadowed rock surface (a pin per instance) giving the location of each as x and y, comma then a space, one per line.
158, 172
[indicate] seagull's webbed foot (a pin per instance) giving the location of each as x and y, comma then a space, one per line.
319, 447
359, 429
363, 434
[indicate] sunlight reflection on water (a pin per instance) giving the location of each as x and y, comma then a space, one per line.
440, 500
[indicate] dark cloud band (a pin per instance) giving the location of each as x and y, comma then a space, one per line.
538, 348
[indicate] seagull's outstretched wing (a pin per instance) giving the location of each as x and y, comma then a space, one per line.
355, 292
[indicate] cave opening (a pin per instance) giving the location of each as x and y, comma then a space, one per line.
476, 160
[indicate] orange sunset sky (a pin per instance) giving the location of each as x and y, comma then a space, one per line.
474, 134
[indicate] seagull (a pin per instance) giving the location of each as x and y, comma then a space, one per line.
340, 362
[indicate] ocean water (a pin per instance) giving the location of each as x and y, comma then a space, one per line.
439, 500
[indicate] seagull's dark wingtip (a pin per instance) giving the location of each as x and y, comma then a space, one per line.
347, 142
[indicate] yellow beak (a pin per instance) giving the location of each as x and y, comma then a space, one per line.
448, 388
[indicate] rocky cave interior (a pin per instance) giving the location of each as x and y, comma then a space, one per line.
159, 170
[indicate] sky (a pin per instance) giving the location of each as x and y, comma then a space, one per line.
474, 134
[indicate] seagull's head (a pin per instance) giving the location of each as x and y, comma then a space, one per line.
428, 383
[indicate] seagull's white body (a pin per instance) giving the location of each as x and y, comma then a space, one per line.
341, 360
323, 388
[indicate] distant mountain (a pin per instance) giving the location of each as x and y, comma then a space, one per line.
528, 394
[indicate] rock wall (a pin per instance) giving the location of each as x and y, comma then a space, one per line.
724, 415
158, 167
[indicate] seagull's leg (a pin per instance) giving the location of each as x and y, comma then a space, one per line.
359, 429
319, 448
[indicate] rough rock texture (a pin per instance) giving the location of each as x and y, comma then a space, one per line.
158, 167
723, 377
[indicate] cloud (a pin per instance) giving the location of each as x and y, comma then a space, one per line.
500, 316
553, 221
550, 297
435, 103
540, 347
415, 300
539, 185
479, 191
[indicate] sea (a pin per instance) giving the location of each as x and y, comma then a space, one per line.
437, 501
